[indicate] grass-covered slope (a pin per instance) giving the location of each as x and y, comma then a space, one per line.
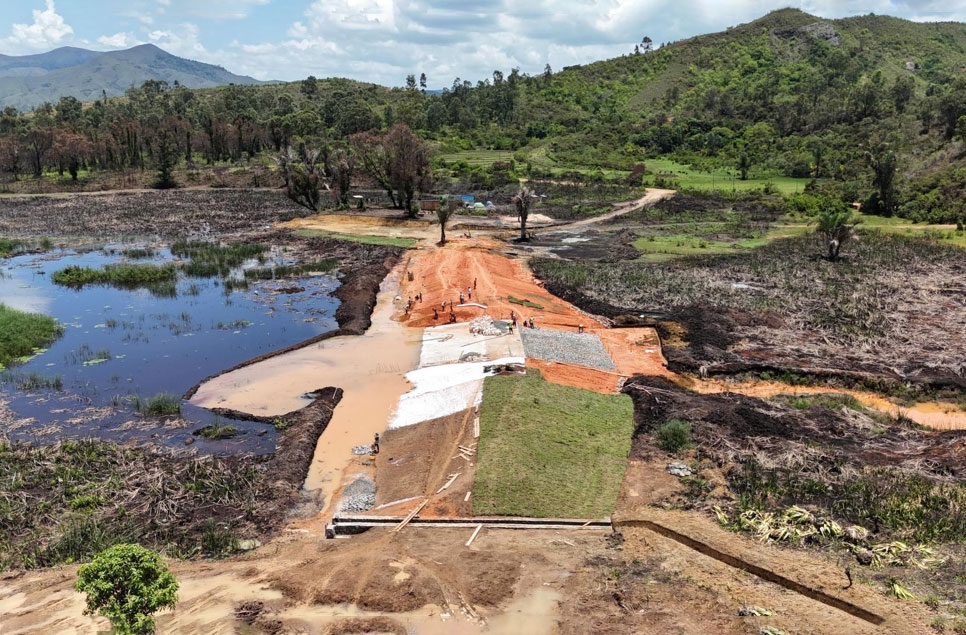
550, 451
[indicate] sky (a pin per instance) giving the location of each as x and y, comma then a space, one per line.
383, 41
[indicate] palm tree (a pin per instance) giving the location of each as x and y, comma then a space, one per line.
443, 213
523, 200
837, 227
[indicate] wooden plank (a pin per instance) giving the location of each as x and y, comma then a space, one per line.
452, 478
412, 514
467, 497
476, 428
475, 533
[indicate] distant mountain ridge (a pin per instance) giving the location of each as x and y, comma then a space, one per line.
30, 80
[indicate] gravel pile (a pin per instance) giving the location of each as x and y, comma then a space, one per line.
358, 496
362, 450
571, 348
483, 325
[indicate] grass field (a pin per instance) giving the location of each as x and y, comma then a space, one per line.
22, 334
722, 180
357, 238
550, 451
484, 158
665, 247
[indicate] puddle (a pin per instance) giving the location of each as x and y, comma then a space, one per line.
370, 369
119, 344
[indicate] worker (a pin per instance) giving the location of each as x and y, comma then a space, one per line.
531, 322
435, 313
580, 328
375, 444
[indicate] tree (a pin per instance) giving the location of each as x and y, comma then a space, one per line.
744, 164
302, 178
884, 163
309, 86
37, 143
445, 210
409, 170
341, 166
836, 224
523, 200
398, 161
422, 82
127, 584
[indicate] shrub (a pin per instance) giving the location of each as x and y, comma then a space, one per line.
674, 436
127, 584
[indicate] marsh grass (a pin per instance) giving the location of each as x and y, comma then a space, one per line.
154, 277
160, 405
22, 334
31, 381
9, 246
212, 259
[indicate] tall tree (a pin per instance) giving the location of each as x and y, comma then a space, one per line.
444, 212
523, 200
341, 165
884, 163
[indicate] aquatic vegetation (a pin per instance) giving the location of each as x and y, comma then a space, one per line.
119, 275
23, 334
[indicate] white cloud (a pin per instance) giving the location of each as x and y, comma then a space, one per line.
118, 40
47, 30
182, 40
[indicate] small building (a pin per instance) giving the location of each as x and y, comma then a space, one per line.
428, 205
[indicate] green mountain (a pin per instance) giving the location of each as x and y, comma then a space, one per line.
789, 94
27, 81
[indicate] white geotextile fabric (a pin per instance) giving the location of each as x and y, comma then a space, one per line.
439, 391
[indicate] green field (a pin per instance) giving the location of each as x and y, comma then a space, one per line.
357, 238
484, 158
667, 246
550, 451
722, 180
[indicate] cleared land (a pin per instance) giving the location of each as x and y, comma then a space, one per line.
549, 450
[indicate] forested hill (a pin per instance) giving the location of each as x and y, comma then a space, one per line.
872, 107
29, 80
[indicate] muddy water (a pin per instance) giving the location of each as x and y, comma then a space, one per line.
370, 369
938, 416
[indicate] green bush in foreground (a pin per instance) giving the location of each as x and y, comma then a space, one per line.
127, 584
21, 334
674, 436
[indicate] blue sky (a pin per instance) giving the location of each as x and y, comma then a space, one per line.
384, 40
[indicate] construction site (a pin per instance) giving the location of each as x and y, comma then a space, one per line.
490, 467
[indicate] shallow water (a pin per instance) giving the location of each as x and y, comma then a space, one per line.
370, 369
153, 344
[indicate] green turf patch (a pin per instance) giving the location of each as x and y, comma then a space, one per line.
550, 451
526, 303
358, 238
23, 334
